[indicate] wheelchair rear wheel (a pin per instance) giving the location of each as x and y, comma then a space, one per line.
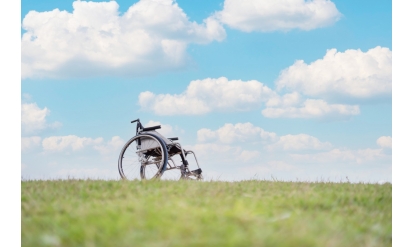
143, 157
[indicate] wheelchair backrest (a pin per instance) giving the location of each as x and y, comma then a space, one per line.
147, 143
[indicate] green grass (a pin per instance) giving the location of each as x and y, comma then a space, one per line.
192, 213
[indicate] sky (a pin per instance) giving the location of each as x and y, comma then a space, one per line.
286, 90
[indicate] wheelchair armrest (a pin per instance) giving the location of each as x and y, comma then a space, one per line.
173, 138
152, 128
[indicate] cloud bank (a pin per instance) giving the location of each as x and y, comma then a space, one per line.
150, 37
233, 133
73, 143
301, 91
342, 155
247, 133
30, 142
69, 142
312, 108
242, 150
203, 96
224, 95
299, 142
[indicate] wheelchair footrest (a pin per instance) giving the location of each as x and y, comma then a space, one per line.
197, 171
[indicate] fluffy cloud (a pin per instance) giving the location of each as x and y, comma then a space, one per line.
384, 141
279, 165
33, 118
214, 151
267, 15
86, 173
166, 130
285, 100
241, 133
359, 156
352, 73
30, 142
151, 36
221, 94
338, 76
312, 108
233, 133
247, 155
75, 143
299, 142
220, 154
70, 142
110, 147
203, 96
271, 167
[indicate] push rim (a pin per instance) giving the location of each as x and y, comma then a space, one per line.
149, 165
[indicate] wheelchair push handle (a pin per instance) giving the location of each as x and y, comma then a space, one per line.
139, 126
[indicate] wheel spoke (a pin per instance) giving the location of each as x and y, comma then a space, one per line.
130, 163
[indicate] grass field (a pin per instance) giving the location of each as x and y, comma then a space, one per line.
191, 213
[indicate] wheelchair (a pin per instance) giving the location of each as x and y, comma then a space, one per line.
149, 156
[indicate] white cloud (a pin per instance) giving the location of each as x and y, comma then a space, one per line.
337, 155
166, 130
339, 76
203, 96
279, 165
70, 142
241, 133
151, 36
33, 118
110, 147
291, 156
75, 143
285, 100
312, 108
85, 173
299, 142
269, 15
384, 141
30, 142
270, 167
247, 155
221, 94
25, 97
220, 154
214, 151
352, 73
235, 133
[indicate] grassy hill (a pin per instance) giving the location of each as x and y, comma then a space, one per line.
192, 213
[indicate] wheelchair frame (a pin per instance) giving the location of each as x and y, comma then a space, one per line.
155, 151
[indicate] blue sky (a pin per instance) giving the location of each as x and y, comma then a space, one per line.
267, 115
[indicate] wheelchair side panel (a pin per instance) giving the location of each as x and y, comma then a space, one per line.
149, 144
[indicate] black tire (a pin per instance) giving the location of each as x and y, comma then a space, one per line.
151, 164
172, 172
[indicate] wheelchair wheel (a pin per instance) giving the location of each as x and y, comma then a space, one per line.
172, 172
143, 157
